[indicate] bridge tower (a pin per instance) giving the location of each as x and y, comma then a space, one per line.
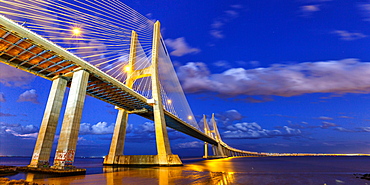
218, 150
164, 155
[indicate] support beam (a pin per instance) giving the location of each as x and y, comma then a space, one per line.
64, 156
163, 144
219, 149
45, 138
118, 139
206, 131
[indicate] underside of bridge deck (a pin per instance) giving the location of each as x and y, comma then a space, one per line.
18, 50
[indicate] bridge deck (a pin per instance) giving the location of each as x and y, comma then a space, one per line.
23, 49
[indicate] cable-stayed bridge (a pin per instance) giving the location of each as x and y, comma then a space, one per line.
106, 50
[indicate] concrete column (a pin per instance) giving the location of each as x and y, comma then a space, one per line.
67, 142
118, 139
214, 150
206, 131
41, 153
163, 144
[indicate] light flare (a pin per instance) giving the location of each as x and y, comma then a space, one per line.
127, 69
76, 31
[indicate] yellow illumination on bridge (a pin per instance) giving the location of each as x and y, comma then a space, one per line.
190, 117
76, 31
169, 101
127, 68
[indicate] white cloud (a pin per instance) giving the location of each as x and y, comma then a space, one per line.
30, 96
79, 139
180, 47
193, 144
2, 97
217, 34
102, 128
360, 129
325, 118
219, 22
326, 125
232, 13
315, 1
255, 131
237, 6
6, 114
222, 63
195, 77
98, 129
365, 129
346, 117
229, 116
254, 63
145, 128
310, 8
341, 129
11, 76
365, 10
28, 131
337, 76
348, 36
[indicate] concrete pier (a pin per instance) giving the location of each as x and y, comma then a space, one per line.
67, 142
41, 153
118, 139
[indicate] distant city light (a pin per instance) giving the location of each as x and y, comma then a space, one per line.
76, 31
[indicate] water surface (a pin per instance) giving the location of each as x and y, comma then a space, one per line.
242, 170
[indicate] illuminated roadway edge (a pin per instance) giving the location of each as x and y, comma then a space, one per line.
26, 50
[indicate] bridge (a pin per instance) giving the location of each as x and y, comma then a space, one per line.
132, 71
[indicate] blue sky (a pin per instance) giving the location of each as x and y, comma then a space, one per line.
281, 76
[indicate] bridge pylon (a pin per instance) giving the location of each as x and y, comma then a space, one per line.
218, 150
164, 155
45, 138
66, 148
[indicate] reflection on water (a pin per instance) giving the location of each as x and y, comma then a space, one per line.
198, 173
188, 174
246, 170
219, 165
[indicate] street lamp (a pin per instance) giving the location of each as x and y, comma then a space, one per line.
127, 68
76, 31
